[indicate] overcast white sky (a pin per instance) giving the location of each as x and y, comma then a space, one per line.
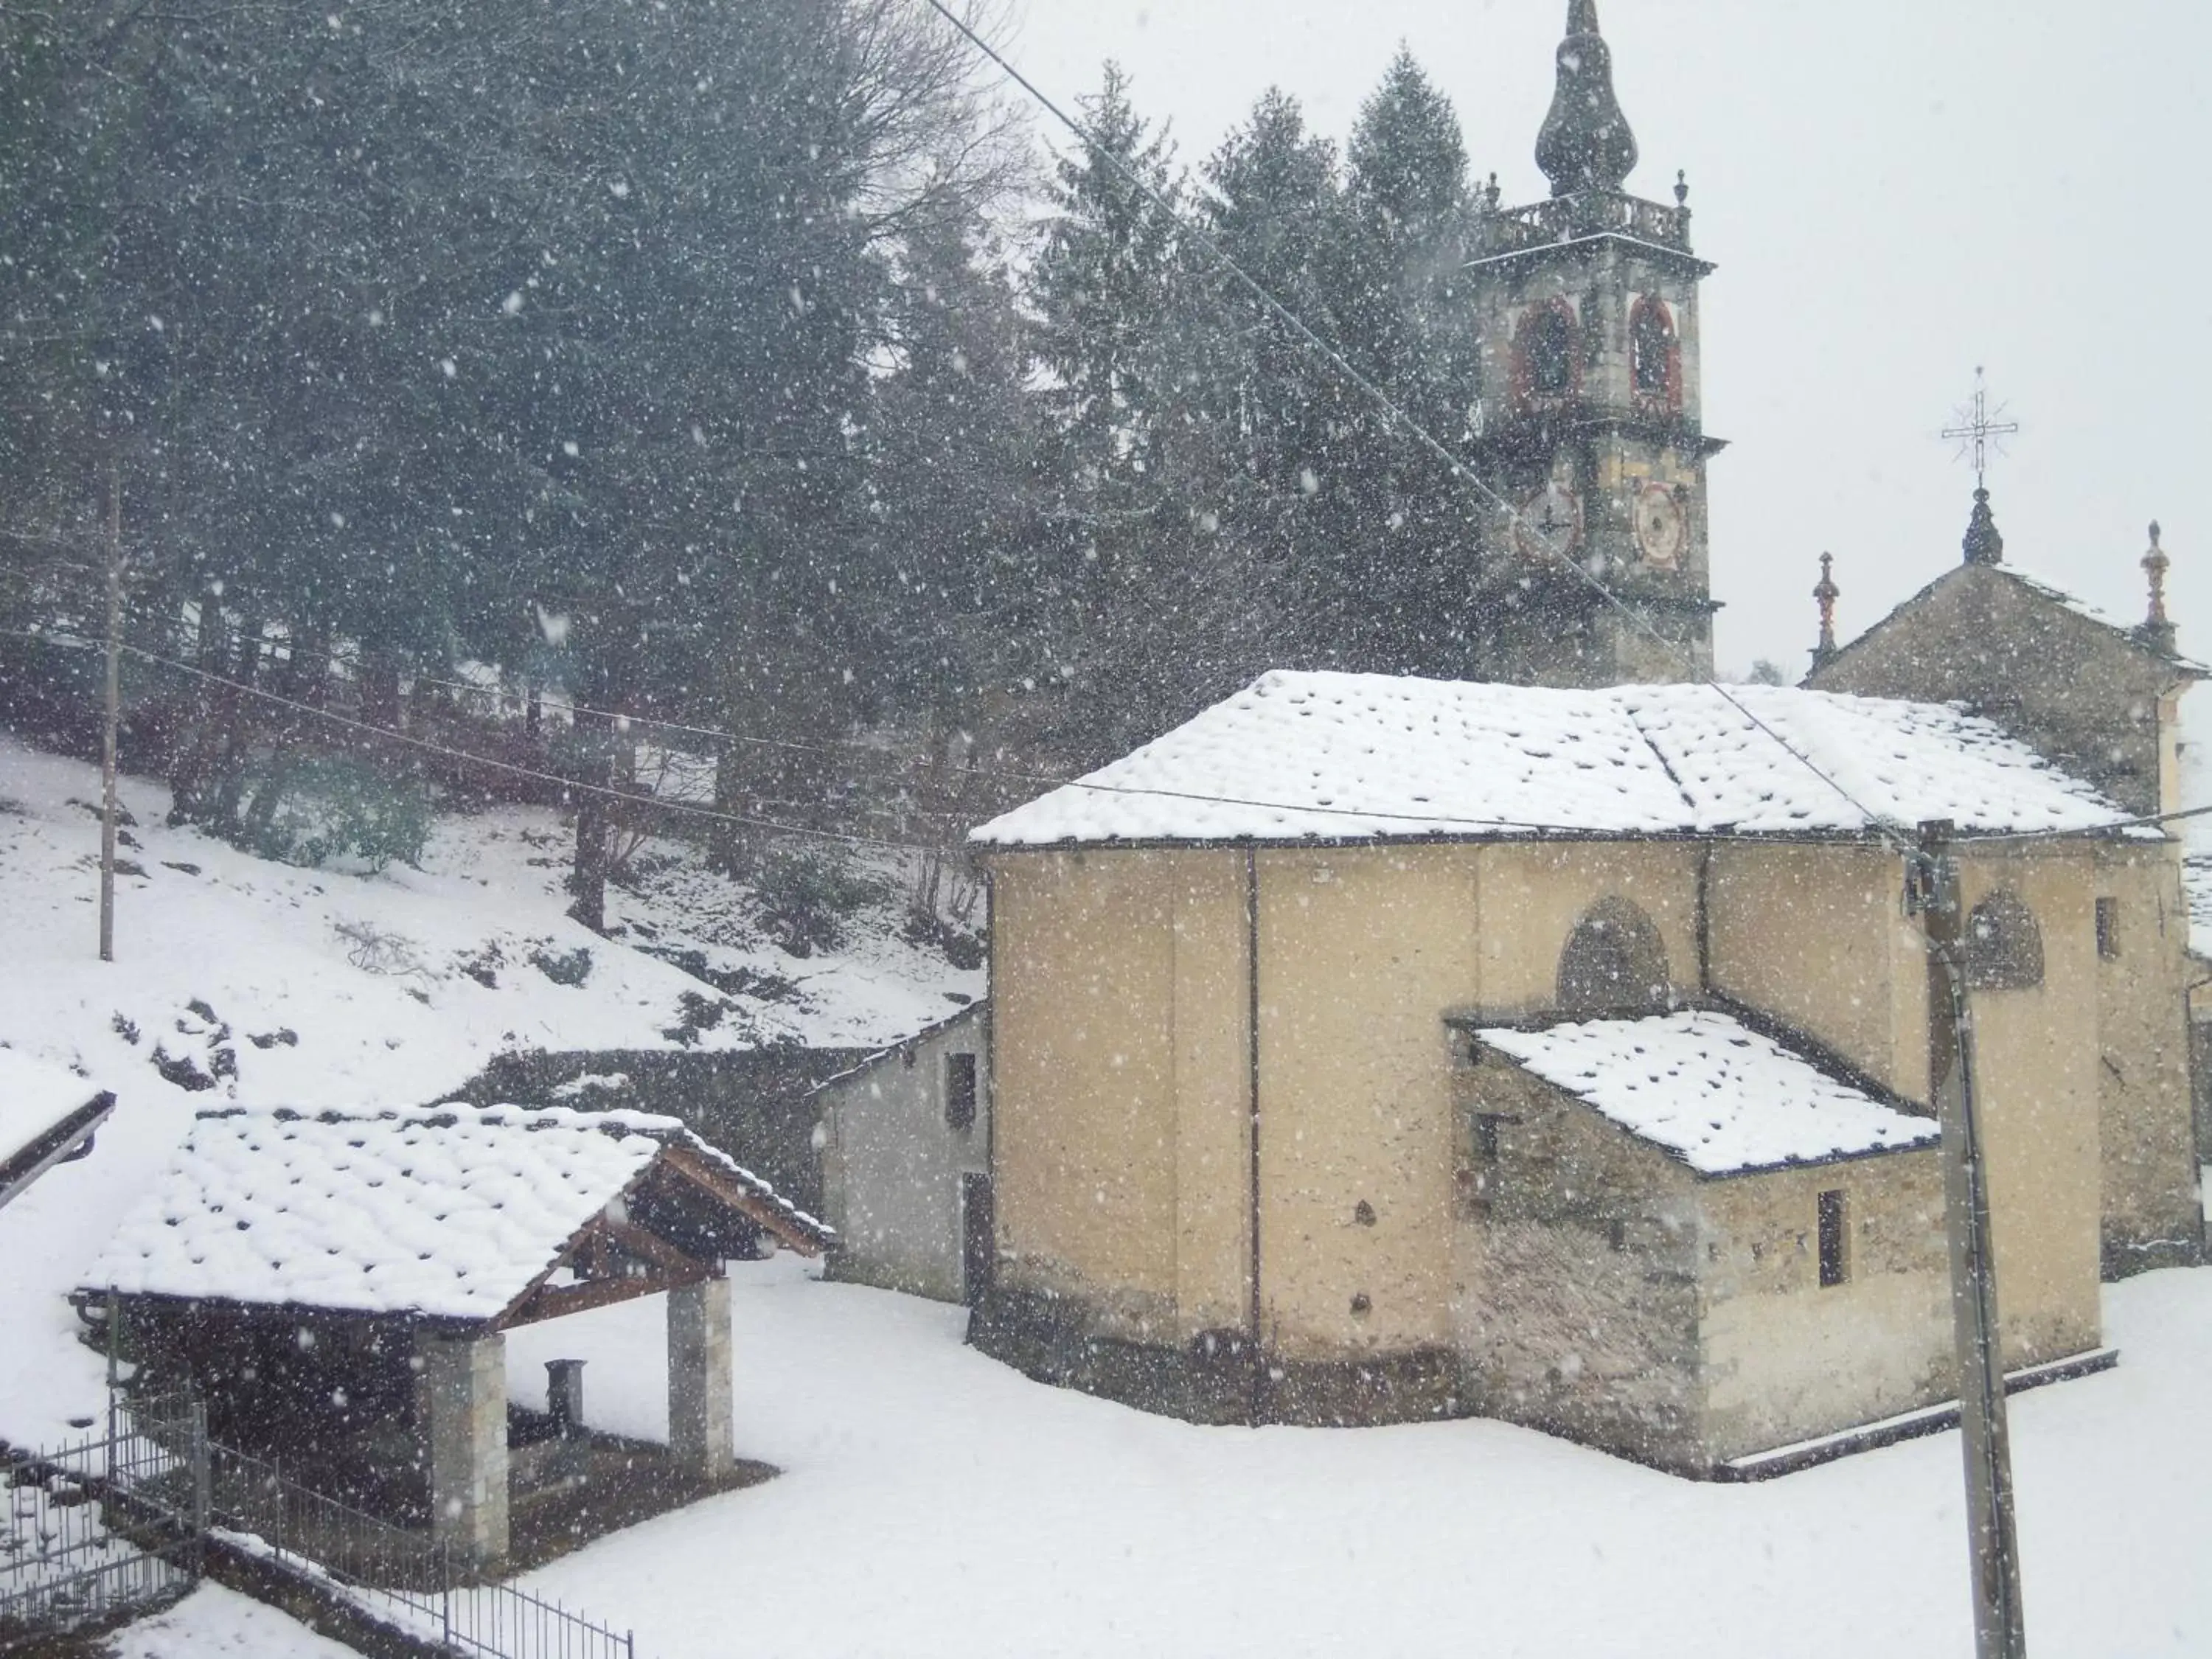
1895, 191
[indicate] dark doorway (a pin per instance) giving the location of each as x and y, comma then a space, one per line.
979, 1238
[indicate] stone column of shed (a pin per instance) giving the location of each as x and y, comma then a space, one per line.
699, 1378
465, 1383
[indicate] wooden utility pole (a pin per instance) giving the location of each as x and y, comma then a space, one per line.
2000, 1625
113, 726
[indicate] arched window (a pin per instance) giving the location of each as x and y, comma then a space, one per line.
1655, 353
1614, 962
1547, 352
2004, 947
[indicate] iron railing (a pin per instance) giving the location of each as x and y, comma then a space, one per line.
116, 1523
400, 1577
1585, 213
99, 1529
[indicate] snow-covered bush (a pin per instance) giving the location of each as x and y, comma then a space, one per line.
314, 809
806, 898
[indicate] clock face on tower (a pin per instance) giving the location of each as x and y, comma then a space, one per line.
1550, 522
1662, 527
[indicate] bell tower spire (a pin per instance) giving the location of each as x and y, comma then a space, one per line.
1585, 143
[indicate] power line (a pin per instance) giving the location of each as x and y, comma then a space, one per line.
1460, 472
1437, 823
655, 802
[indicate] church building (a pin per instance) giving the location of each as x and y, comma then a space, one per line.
1378, 1049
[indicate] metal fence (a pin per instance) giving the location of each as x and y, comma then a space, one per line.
403, 1578
100, 1528
117, 1523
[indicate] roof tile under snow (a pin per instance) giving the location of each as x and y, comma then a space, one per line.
450, 1212
1713, 1092
1353, 756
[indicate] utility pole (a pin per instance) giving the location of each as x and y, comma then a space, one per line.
2000, 1625
109, 737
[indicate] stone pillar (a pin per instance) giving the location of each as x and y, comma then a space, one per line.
699, 1378
465, 1382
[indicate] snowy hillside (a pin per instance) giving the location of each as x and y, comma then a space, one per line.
241, 980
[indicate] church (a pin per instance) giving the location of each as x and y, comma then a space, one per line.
1555, 1048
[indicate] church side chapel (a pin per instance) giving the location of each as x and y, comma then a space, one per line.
1559, 1056
2101, 700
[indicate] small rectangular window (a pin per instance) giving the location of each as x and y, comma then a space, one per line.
2108, 929
960, 1092
1833, 1264
1486, 1134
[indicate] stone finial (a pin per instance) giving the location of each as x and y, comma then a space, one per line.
1826, 596
1984, 544
2157, 629
1681, 187
1585, 143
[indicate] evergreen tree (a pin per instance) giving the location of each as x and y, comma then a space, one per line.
1274, 206
1403, 540
1106, 293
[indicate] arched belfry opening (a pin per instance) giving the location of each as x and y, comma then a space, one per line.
1655, 353
1547, 355
2004, 944
1615, 962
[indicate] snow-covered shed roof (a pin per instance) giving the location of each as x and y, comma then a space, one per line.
1365, 756
1708, 1089
454, 1212
45, 1113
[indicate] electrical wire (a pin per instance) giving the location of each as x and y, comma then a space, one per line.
1435, 824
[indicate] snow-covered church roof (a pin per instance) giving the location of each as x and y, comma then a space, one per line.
1713, 1092
1363, 757
449, 1213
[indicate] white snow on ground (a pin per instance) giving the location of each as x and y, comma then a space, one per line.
936, 1503
1712, 1091
1355, 756
319, 989
223, 1624
35, 1096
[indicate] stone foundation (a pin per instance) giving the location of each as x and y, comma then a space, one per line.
1219, 1378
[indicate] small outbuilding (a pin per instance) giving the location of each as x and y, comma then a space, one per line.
1693, 1240
337, 1288
905, 1140
47, 1116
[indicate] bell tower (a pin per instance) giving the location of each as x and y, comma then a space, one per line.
1589, 421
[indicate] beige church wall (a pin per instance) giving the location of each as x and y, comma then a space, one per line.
1362, 951
2037, 1055
2146, 1119
1532, 897
1082, 981
1576, 1308
1816, 936
1784, 1359
1212, 1059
